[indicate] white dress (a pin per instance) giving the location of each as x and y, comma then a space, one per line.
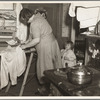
68, 58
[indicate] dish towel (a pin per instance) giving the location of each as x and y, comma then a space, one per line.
13, 64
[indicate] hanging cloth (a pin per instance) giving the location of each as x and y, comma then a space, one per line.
13, 64
86, 13
21, 32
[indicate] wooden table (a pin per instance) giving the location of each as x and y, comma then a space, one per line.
69, 89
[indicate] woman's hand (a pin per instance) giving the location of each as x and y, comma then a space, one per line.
23, 46
25, 42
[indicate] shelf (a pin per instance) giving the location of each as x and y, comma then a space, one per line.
6, 30
93, 36
5, 37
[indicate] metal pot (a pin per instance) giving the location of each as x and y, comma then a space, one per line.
80, 75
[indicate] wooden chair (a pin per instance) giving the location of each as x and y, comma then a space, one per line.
32, 53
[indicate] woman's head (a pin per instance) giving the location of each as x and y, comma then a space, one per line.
25, 15
42, 11
69, 45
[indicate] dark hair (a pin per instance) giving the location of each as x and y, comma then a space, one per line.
41, 10
71, 43
25, 15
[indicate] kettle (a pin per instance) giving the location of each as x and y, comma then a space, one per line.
79, 75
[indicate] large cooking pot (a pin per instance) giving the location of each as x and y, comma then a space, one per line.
80, 75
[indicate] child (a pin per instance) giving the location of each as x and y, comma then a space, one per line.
68, 56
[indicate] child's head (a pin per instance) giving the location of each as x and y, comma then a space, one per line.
69, 45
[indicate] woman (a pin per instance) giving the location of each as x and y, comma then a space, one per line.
42, 38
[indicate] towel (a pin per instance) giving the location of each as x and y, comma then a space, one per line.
84, 5
88, 14
21, 32
88, 17
13, 64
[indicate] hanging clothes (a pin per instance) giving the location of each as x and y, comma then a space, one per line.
13, 64
21, 32
84, 5
88, 17
13, 59
87, 13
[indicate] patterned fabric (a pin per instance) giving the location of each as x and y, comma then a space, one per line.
13, 64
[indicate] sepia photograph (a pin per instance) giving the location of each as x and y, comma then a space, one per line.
50, 49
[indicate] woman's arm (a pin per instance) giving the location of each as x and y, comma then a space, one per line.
35, 30
32, 43
28, 40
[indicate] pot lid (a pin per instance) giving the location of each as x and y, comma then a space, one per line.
81, 70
